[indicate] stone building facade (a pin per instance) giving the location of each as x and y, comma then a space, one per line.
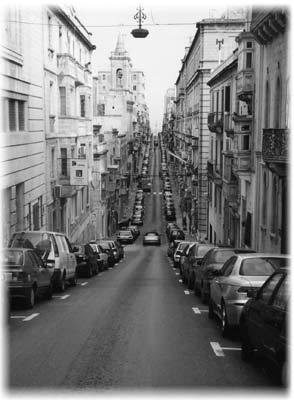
23, 191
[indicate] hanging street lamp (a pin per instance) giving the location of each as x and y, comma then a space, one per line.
140, 32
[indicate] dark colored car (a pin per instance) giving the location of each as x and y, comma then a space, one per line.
264, 323
135, 229
108, 250
87, 263
176, 234
192, 262
101, 255
25, 274
213, 261
117, 249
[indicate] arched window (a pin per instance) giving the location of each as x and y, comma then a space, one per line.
267, 106
278, 100
264, 200
119, 77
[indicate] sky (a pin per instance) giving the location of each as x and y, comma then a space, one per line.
158, 55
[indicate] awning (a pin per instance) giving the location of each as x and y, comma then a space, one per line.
176, 156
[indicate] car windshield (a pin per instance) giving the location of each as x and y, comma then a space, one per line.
221, 256
151, 234
11, 257
125, 233
261, 266
104, 245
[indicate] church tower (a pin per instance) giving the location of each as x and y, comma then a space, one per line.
121, 66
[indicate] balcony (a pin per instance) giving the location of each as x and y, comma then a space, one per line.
275, 146
67, 65
242, 162
215, 122
245, 83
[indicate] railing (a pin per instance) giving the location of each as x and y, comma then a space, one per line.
275, 145
215, 122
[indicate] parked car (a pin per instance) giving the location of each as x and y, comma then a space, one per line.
117, 249
180, 248
135, 229
101, 255
137, 220
176, 234
151, 238
193, 262
25, 274
106, 247
212, 261
56, 252
184, 256
125, 236
87, 263
264, 323
239, 275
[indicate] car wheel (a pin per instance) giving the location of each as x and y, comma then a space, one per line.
62, 284
49, 292
30, 300
190, 282
246, 347
73, 281
210, 309
90, 272
203, 295
224, 321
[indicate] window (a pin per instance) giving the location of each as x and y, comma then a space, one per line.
83, 105
267, 106
228, 98
52, 169
278, 101
249, 45
49, 32
264, 200
257, 267
62, 98
16, 115
104, 77
275, 203
248, 60
267, 290
134, 87
63, 152
282, 296
245, 142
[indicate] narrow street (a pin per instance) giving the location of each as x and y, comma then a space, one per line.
132, 326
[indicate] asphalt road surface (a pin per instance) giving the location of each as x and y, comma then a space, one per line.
135, 326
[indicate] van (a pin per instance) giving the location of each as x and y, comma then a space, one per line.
56, 252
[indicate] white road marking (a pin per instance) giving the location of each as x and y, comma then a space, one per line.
154, 192
63, 297
218, 351
186, 291
232, 348
84, 283
177, 273
160, 193
174, 269
30, 317
17, 316
196, 310
181, 280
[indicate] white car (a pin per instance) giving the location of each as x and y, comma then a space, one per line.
55, 249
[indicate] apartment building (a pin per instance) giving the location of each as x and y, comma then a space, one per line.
22, 176
213, 42
67, 73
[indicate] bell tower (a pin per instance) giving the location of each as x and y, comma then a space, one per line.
120, 63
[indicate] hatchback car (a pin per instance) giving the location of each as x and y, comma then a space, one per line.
101, 255
125, 236
212, 261
239, 275
151, 238
117, 249
264, 323
179, 250
106, 247
55, 250
25, 275
87, 263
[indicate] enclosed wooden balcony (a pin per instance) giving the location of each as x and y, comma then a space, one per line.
215, 122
